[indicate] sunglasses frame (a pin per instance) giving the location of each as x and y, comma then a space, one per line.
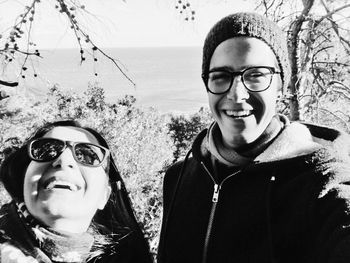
72, 146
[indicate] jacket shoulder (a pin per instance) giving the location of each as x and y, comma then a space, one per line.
171, 179
336, 142
174, 169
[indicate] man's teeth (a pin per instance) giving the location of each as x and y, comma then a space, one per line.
241, 113
61, 185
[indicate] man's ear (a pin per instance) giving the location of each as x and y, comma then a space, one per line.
104, 199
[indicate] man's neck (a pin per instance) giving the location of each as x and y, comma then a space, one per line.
252, 149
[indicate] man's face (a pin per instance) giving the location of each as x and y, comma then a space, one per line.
243, 115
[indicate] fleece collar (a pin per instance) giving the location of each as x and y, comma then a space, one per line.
232, 157
296, 139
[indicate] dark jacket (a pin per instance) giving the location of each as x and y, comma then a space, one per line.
18, 243
292, 204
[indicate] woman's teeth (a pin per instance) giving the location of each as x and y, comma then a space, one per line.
61, 185
241, 113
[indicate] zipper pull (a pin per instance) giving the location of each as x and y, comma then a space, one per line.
216, 193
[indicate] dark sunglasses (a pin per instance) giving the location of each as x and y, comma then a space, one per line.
48, 149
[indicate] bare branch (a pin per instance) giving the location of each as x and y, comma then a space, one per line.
9, 84
345, 122
114, 61
332, 62
330, 13
339, 84
68, 8
323, 49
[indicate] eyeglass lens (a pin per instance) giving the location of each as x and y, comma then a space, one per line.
47, 149
254, 79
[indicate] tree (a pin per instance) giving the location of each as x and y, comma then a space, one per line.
319, 47
16, 43
14, 48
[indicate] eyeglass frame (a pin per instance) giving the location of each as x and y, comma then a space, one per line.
233, 74
67, 144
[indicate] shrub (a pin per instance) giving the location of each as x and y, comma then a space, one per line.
183, 130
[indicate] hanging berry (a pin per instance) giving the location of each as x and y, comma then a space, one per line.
185, 9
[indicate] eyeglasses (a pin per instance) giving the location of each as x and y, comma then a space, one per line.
254, 79
48, 149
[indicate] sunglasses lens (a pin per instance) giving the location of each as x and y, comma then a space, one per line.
89, 154
45, 149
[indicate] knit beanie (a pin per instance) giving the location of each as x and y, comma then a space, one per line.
249, 25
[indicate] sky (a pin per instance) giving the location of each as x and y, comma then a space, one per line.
129, 23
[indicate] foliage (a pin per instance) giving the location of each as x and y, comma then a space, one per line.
183, 130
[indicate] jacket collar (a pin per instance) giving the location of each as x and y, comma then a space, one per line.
296, 139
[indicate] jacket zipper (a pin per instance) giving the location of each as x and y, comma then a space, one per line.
211, 219
215, 199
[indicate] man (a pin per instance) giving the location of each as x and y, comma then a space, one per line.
255, 187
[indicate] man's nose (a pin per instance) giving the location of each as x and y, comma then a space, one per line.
65, 159
238, 91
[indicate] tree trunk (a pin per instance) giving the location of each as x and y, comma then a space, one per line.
293, 47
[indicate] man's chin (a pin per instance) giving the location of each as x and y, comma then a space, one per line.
241, 135
238, 125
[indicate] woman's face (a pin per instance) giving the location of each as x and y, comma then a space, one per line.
63, 193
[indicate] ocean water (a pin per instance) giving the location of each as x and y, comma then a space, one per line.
167, 78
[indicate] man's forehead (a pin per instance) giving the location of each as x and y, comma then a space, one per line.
242, 52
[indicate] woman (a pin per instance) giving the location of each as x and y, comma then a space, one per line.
69, 201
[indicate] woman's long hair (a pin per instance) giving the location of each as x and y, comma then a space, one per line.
117, 218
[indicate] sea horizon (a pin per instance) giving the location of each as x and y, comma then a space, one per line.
167, 78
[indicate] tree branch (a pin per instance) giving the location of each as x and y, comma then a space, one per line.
337, 117
330, 13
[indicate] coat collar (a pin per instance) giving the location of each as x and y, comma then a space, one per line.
296, 139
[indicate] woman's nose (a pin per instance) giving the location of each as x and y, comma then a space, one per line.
65, 159
238, 91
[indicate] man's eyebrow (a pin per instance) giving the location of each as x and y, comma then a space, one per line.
231, 69
223, 68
